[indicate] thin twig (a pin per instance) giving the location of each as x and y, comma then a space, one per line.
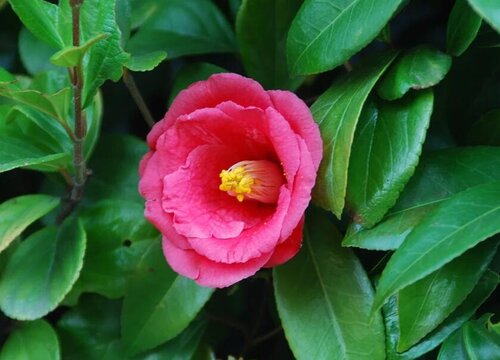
265, 337
136, 95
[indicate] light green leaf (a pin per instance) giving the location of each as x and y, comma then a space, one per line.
182, 27
18, 213
463, 26
172, 303
35, 340
72, 56
456, 225
146, 62
423, 305
437, 177
385, 153
464, 312
324, 34
42, 271
489, 11
261, 30
419, 68
337, 112
34, 53
324, 297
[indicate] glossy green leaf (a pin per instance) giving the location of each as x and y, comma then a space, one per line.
182, 27
385, 153
324, 297
489, 11
34, 99
464, 312
486, 131
171, 304
419, 68
261, 29
18, 213
463, 26
123, 20
190, 74
438, 176
72, 56
42, 271
426, 303
35, 340
324, 34
455, 225
337, 112
472, 341
146, 62
34, 53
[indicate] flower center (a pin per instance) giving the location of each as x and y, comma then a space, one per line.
253, 179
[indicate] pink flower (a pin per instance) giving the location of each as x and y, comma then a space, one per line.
228, 178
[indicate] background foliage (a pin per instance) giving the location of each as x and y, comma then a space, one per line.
402, 261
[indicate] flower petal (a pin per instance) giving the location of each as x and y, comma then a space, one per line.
288, 248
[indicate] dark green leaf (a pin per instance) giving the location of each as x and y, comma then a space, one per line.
172, 303
42, 271
123, 20
385, 154
337, 112
488, 9
419, 68
324, 34
463, 27
486, 131
18, 213
436, 178
34, 53
146, 62
324, 298
261, 29
141, 11
426, 303
182, 27
455, 225
32, 341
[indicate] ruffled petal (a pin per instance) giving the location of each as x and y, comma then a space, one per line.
288, 248
150, 183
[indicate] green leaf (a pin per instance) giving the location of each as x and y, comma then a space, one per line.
489, 11
182, 27
261, 30
123, 20
426, 303
463, 26
337, 112
34, 53
472, 341
481, 292
35, 340
146, 62
42, 271
191, 73
72, 56
42, 19
437, 177
18, 213
324, 297
486, 131
324, 34
141, 11
385, 154
419, 68
456, 225
172, 303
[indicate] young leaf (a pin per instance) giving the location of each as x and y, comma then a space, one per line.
488, 9
438, 176
419, 68
171, 304
182, 27
324, 34
385, 154
261, 30
324, 297
73, 55
456, 225
35, 340
42, 270
146, 62
337, 112
18, 213
426, 303
463, 26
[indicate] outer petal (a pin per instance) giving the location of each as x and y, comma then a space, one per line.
206, 272
205, 94
296, 112
288, 248
150, 183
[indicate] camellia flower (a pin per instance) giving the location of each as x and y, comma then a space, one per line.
228, 178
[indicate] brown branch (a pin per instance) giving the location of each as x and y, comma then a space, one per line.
136, 95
